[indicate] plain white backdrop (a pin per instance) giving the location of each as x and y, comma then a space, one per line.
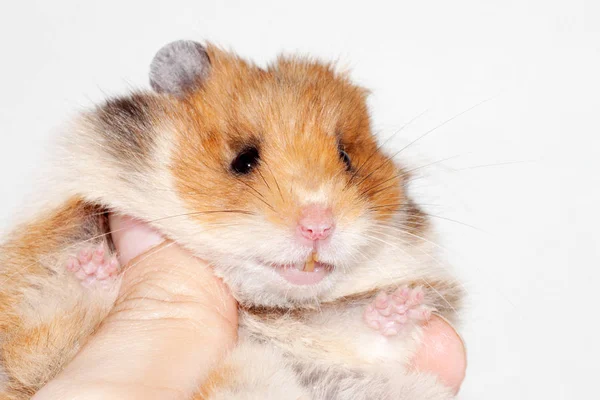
516, 197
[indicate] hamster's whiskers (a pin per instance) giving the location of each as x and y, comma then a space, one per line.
106, 234
401, 231
257, 194
393, 156
275, 180
369, 158
403, 174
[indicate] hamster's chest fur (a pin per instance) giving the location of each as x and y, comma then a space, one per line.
271, 174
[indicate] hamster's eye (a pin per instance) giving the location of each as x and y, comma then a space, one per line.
245, 161
345, 158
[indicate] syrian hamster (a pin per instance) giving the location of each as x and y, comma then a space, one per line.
274, 176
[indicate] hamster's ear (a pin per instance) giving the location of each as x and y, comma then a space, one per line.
179, 67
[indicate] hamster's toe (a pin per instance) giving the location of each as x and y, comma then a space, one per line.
388, 313
94, 265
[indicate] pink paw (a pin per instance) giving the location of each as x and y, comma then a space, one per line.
93, 265
389, 312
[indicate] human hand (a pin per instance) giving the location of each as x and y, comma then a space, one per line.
174, 320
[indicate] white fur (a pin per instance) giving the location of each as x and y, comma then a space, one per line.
334, 340
269, 378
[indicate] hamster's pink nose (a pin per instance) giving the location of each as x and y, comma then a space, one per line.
316, 222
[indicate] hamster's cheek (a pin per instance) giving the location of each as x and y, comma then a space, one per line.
352, 243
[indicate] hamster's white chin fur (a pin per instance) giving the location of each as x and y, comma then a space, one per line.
259, 284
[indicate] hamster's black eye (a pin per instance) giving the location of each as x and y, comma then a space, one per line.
345, 158
245, 161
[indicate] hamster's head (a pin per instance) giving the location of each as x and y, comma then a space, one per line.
284, 186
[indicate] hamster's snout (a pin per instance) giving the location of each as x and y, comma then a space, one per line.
315, 223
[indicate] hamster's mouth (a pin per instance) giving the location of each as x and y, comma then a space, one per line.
310, 272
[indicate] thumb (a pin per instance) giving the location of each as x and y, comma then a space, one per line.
171, 324
442, 353
160, 271
132, 237
170, 306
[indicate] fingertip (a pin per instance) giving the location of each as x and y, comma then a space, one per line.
132, 237
442, 353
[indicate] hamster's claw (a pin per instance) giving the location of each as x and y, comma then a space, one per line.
93, 265
388, 313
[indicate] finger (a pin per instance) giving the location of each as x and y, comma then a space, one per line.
163, 269
442, 353
174, 308
172, 323
132, 237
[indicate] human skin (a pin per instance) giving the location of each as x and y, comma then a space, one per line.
171, 325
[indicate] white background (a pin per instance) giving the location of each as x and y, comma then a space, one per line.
530, 260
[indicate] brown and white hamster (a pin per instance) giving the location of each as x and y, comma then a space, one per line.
273, 176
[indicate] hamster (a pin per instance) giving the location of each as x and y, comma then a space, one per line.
272, 175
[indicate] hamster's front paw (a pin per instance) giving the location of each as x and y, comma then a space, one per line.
94, 265
388, 313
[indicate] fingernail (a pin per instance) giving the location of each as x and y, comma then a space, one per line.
132, 237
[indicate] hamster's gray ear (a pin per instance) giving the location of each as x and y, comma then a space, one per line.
179, 67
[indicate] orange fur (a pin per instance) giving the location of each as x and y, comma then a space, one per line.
292, 109
218, 378
31, 353
298, 113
